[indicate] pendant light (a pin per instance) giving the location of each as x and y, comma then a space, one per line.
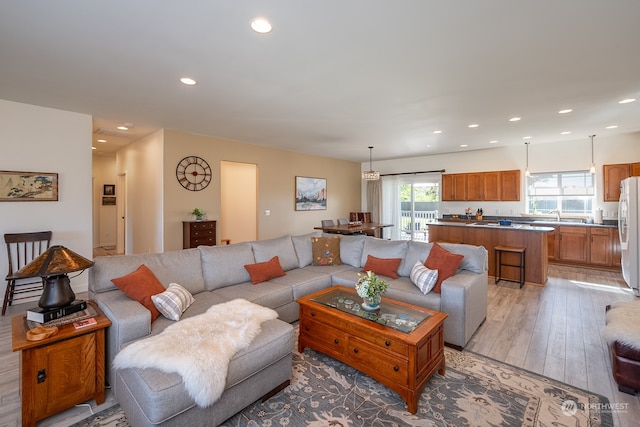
370, 175
526, 171
593, 165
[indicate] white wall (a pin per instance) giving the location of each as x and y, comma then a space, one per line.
104, 216
142, 163
559, 156
38, 139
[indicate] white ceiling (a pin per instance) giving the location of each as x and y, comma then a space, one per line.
334, 76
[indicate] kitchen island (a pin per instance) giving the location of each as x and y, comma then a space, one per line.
531, 237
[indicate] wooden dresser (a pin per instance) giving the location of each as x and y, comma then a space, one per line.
196, 233
401, 360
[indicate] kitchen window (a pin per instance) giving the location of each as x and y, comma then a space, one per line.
569, 193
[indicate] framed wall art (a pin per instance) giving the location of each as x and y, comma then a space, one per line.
311, 193
108, 201
109, 190
28, 186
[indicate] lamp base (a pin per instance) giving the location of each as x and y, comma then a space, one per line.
57, 292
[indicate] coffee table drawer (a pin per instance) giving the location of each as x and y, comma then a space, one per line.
367, 358
321, 316
384, 342
323, 335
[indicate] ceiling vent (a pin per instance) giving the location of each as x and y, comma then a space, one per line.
114, 133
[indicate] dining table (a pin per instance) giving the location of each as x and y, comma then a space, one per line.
361, 228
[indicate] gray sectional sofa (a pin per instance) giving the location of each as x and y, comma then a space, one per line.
215, 274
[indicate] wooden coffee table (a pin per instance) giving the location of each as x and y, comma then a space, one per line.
400, 345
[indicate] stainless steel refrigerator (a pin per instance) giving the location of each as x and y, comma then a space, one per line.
629, 230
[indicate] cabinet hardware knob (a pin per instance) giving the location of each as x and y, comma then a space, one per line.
396, 369
42, 375
306, 328
336, 341
313, 314
387, 343
355, 350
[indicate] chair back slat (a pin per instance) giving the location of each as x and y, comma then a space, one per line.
22, 248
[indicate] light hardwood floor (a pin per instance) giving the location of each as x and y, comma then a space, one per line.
552, 330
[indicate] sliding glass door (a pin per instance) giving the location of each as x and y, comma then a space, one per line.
410, 203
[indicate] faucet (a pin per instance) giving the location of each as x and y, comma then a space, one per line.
557, 211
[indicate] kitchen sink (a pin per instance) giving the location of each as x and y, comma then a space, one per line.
562, 221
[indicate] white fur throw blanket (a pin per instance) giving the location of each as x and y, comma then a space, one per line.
199, 348
623, 324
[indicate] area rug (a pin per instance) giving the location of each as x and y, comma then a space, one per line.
475, 391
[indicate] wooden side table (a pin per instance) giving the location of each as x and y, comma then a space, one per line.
60, 371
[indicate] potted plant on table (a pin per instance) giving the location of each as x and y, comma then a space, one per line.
198, 213
370, 288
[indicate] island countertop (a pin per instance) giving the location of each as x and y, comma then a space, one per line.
494, 225
532, 238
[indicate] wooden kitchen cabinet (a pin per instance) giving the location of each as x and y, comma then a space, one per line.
492, 190
483, 186
616, 251
475, 186
613, 174
586, 246
479, 186
600, 249
510, 186
572, 244
552, 245
635, 169
454, 187
197, 233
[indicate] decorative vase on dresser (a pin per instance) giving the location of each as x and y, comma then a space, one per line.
197, 233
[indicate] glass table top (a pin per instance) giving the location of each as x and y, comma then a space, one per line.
398, 317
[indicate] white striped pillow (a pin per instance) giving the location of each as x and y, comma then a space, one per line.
424, 278
173, 302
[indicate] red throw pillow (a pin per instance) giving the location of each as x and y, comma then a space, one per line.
383, 266
140, 285
263, 271
444, 261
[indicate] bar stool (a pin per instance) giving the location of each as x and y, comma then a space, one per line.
499, 250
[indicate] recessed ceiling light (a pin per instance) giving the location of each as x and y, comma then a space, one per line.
474, 125
437, 131
260, 25
626, 101
493, 142
612, 127
527, 137
565, 111
93, 148
515, 119
123, 128
464, 145
188, 81
566, 132
102, 140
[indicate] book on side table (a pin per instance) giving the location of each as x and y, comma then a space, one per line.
42, 315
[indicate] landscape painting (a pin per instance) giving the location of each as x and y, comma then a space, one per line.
311, 193
28, 186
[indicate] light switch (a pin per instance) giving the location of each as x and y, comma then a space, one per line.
267, 212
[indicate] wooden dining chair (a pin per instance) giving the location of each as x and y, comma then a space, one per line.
327, 223
343, 221
22, 248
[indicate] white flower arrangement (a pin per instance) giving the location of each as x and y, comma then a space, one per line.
370, 286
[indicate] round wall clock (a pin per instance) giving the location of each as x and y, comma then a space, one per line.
193, 173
